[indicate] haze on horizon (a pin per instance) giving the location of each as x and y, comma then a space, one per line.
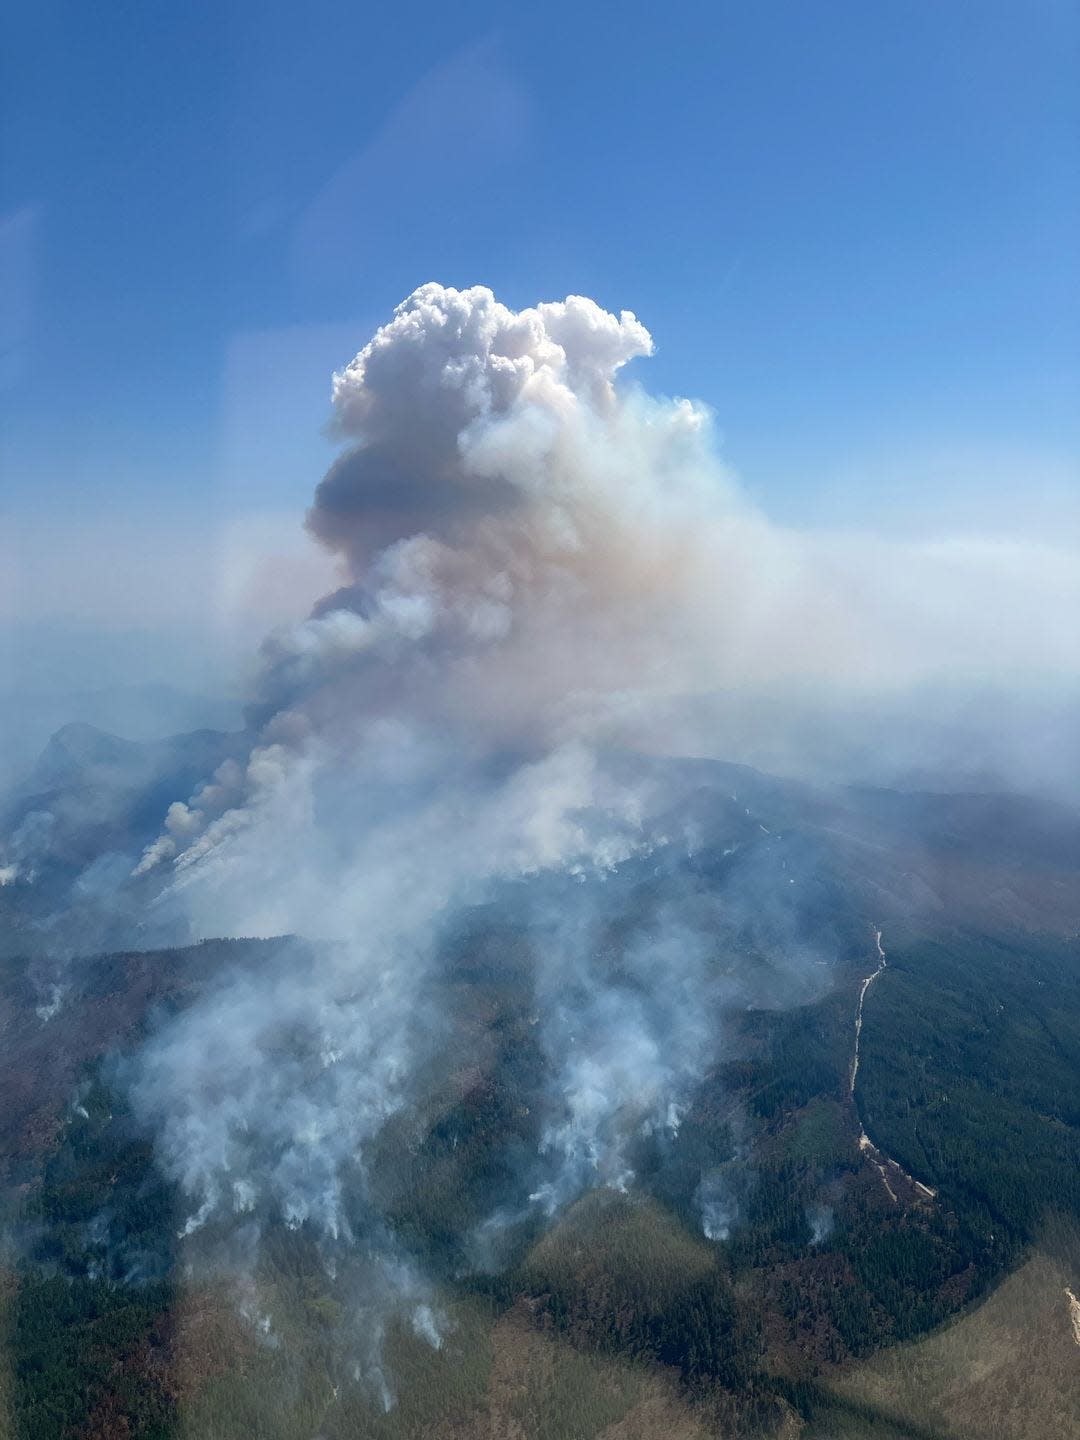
852, 242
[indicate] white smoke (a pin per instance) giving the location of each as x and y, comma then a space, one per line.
537, 565
822, 1220
718, 1201
430, 730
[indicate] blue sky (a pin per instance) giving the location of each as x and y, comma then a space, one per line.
851, 228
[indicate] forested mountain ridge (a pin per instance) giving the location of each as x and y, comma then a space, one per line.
624, 1316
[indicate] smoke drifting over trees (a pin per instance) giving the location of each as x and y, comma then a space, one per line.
543, 573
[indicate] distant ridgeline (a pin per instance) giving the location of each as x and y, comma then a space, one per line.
755, 1256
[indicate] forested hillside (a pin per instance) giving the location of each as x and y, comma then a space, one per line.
740, 1284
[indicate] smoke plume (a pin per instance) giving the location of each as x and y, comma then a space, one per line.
542, 569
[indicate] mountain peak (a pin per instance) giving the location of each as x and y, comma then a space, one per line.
78, 747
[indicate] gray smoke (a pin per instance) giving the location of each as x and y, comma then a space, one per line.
537, 568
821, 1219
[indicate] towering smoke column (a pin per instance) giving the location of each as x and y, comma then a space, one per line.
535, 566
